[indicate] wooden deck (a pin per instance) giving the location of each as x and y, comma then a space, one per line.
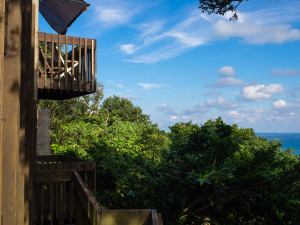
67, 66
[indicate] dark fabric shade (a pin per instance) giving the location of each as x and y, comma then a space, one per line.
60, 14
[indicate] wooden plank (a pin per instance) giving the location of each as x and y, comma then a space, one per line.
79, 66
59, 60
87, 200
2, 27
92, 64
69, 38
51, 196
61, 197
66, 64
73, 67
154, 217
85, 62
160, 219
45, 61
95, 88
57, 199
11, 116
124, 217
52, 60
71, 202
52, 175
26, 37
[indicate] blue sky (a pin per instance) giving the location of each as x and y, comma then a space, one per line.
178, 64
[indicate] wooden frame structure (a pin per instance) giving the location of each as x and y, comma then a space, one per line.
30, 185
67, 66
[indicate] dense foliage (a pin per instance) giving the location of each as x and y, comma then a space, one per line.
220, 6
196, 174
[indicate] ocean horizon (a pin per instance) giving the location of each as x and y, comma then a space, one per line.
289, 140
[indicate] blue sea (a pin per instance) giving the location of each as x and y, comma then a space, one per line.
289, 140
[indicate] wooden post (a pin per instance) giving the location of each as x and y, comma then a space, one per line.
2, 25
31, 106
18, 96
11, 117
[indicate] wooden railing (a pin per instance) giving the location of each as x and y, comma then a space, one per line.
54, 187
64, 166
63, 196
66, 64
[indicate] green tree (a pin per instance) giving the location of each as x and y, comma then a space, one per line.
226, 175
122, 108
220, 6
63, 112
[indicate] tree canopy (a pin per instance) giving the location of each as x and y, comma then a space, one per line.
220, 6
213, 173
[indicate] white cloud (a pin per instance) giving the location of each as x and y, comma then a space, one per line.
227, 82
130, 97
194, 111
119, 85
227, 71
251, 116
254, 33
212, 93
283, 115
128, 48
280, 104
285, 72
115, 12
283, 105
220, 102
149, 86
185, 38
259, 27
151, 28
261, 92
165, 108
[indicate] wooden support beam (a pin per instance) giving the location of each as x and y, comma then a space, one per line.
85, 64
95, 88
31, 105
2, 25
11, 117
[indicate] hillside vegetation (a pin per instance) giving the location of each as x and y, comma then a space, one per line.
195, 174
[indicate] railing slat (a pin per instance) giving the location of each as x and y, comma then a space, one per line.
80, 72
73, 67
95, 66
57, 199
52, 60
92, 65
85, 63
71, 202
51, 203
59, 60
61, 196
42, 204
45, 60
66, 64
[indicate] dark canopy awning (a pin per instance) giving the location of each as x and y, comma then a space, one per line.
60, 14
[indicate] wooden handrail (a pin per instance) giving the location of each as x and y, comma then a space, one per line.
83, 196
95, 216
